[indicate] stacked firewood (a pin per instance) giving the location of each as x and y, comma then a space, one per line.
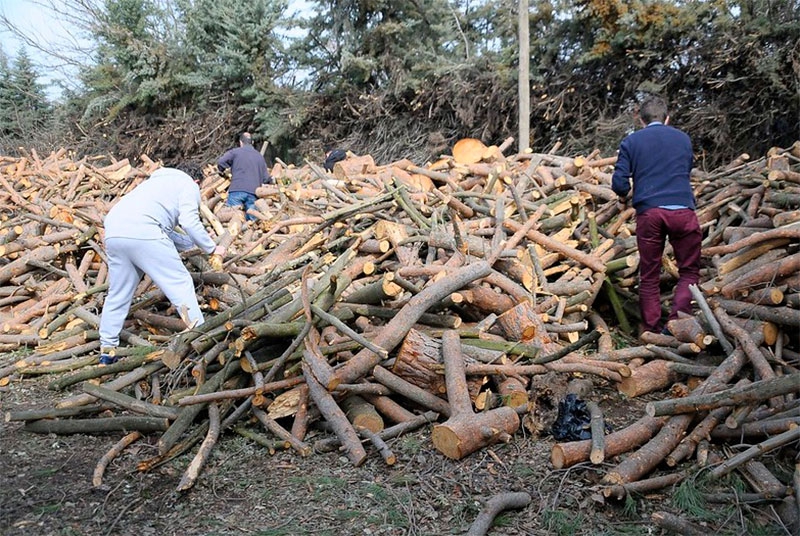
414, 294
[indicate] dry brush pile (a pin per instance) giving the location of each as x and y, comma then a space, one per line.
382, 298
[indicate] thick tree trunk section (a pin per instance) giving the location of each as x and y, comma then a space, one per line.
465, 432
395, 331
419, 361
655, 375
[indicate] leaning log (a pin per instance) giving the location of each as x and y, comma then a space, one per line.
393, 333
754, 392
565, 455
465, 431
651, 454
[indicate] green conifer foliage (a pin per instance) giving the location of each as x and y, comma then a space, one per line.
26, 110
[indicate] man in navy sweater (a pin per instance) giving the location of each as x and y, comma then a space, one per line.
659, 159
248, 172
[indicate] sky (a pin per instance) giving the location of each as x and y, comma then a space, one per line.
37, 20
40, 24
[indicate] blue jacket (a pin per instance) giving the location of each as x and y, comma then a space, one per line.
659, 158
248, 169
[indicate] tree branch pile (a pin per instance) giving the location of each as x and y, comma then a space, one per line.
381, 298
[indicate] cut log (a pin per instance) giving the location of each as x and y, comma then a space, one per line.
97, 425
394, 332
769, 445
336, 417
650, 455
655, 375
193, 471
362, 414
677, 524
566, 455
465, 432
754, 392
642, 487
468, 151
598, 429
419, 361
688, 329
108, 457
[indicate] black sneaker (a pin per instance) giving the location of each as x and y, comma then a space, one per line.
107, 359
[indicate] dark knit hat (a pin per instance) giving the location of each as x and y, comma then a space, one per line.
337, 155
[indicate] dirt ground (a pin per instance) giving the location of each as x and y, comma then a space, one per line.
46, 487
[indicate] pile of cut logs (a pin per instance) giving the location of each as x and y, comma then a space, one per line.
418, 295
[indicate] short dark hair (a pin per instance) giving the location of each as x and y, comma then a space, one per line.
194, 170
653, 108
246, 138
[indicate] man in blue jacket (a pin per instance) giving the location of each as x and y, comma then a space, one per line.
659, 158
248, 172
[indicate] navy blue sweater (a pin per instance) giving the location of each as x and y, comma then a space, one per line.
659, 158
248, 169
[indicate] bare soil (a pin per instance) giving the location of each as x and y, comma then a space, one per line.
46, 487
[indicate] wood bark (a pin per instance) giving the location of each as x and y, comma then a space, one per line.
394, 332
754, 392
565, 455
465, 432
495, 505
652, 453
336, 417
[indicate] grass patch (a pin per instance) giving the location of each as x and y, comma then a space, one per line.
281, 531
410, 444
322, 487
630, 510
562, 523
46, 472
346, 515
48, 509
689, 498
523, 470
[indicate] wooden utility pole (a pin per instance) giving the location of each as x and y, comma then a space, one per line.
524, 78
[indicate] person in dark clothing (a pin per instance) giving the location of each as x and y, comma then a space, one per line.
248, 172
332, 156
659, 158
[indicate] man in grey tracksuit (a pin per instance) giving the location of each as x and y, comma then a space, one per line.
140, 238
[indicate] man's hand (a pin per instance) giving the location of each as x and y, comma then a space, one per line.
624, 201
216, 258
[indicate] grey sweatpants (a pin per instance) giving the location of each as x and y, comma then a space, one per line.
128, 260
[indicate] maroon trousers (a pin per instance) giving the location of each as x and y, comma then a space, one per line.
653, 226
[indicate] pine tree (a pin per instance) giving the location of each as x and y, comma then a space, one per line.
6, 98
26, 109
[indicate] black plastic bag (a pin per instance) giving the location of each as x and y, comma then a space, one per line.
573, 421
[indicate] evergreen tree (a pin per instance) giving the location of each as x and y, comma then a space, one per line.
6, 98
389, 44
128, 57
27, 109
